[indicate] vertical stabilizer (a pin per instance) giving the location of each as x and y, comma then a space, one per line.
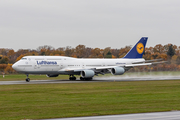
138, 50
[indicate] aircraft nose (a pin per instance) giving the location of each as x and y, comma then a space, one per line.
14, 66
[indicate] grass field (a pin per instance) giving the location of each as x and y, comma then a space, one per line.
40, 101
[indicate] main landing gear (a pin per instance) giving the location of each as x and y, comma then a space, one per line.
81, 78
72, 77
27, 79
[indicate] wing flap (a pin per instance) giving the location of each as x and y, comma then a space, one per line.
142, 64
134, 65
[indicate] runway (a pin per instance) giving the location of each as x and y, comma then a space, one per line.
96, 79
172, 115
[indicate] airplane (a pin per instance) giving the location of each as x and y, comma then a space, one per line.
87, 68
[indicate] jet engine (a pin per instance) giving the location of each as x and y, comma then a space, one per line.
52, 75
87, 73
117, 70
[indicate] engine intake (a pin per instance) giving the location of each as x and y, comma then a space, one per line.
117, 70
87, 73
52, 75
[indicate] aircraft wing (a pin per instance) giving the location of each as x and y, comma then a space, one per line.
149, 61
107, 67
129, 65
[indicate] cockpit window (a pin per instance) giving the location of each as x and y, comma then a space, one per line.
23, 58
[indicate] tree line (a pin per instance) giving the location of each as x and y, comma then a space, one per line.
167, 52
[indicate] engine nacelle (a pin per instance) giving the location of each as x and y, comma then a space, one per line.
52, 75
117, 70
87, 73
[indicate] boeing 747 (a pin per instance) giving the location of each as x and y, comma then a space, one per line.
52, 66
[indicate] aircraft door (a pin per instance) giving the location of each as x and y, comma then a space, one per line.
103, 64
36, 66
83, 65
61, 64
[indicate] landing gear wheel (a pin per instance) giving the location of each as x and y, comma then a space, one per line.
81, 78
27, 80
72, 78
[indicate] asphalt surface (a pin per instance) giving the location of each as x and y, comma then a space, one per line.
97, 79
172, 115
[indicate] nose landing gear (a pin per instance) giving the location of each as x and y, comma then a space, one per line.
27, 79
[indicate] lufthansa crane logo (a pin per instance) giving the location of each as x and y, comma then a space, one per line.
140, 48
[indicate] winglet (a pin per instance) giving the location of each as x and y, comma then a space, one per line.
138, 50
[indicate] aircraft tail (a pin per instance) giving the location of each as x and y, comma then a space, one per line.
138, 50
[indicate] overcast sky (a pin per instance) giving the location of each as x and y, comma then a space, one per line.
28, 24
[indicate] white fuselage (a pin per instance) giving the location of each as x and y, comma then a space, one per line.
63, 65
